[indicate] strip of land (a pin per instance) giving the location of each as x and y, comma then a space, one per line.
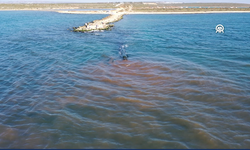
105, 23
133, 12
55, 6
137, 6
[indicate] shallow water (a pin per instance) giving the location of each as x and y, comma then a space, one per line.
183, 86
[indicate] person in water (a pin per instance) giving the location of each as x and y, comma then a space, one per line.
122, 52
125, 58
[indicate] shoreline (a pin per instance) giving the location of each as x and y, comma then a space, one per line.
191, 12
27, 10
73, 11
127, 13
136, 7
148, 13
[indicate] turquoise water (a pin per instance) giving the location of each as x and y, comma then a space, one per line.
183, 86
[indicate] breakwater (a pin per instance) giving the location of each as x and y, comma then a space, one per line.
105, 23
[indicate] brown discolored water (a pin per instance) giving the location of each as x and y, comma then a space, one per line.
64, 90
124, 104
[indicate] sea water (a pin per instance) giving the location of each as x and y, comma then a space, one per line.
183, 85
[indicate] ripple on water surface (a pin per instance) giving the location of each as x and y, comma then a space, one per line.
79, 94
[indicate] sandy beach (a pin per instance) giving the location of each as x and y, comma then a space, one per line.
131, 13
191, 12
194, 12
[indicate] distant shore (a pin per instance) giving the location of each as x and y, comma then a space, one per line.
137, 7
131, 13
73, 11
28, 10
191, 12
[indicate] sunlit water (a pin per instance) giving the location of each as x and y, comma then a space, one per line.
183, 86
